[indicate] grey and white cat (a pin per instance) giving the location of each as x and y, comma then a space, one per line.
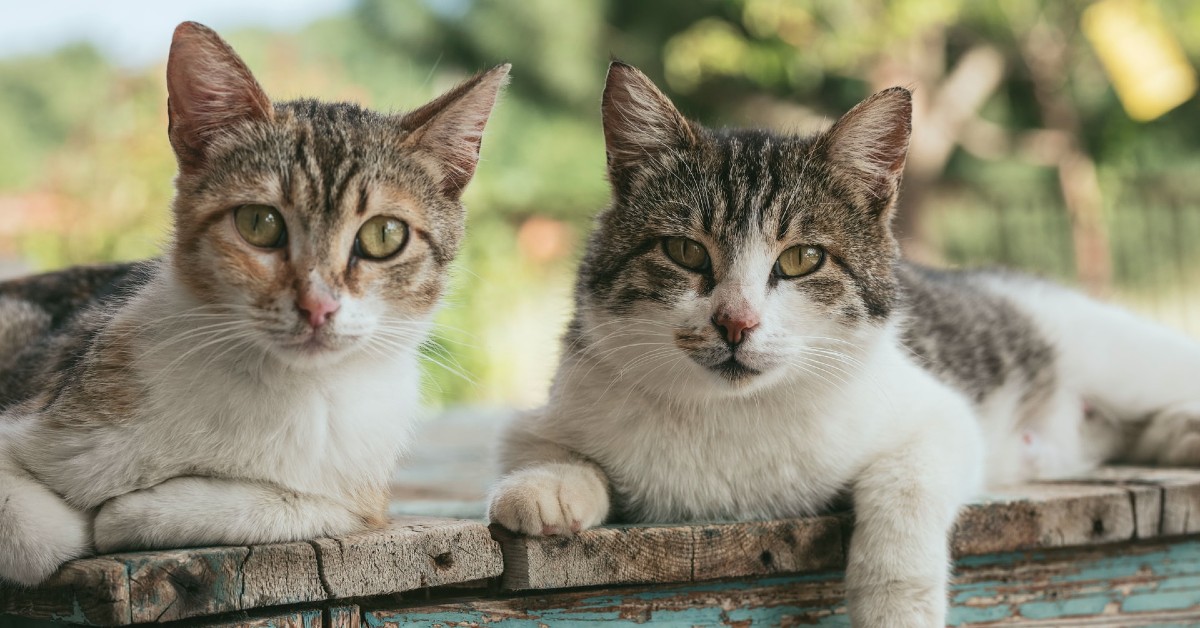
748, 344
258, 383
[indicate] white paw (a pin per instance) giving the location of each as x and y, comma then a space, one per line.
550, 499
119, 521
38, 533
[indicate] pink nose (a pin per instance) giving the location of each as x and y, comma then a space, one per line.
317, 308
736, 326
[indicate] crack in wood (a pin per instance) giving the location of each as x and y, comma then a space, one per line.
321, 570
242, 575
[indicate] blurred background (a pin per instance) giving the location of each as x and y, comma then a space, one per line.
1054, 136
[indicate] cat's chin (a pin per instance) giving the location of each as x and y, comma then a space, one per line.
736, 377
313, 352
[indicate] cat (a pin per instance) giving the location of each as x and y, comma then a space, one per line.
748, 344
258, 382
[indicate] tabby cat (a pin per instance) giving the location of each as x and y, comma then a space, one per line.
258, 382
748, 344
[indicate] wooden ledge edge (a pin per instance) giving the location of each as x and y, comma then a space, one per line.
151, 587
1113, 505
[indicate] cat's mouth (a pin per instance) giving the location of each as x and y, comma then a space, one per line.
314, 343
734, 371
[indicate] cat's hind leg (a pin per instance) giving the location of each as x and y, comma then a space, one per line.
1134, 379
38, 530
1170, 437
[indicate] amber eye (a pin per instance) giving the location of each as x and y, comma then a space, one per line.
687, 253
380, 237
799, 260
260, 225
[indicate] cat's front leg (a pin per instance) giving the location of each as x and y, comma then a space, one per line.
39, 531
905, 504
199, 511
548, 489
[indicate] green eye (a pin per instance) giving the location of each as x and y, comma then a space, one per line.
260, 225
799, 260
687, 253
380, 237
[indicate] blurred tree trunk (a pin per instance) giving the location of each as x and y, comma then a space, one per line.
944, 104
1044, 48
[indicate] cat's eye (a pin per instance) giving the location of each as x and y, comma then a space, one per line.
260, 225
687, 253
799, 261
380, 237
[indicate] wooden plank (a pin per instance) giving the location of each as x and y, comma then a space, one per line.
645, 554
1146, 584
1028, 517
165, 586
1042, 516
1166, 500
412, 553
601, 556
786, 546
149, 587
92, 591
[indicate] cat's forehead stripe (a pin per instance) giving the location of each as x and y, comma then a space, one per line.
748, 170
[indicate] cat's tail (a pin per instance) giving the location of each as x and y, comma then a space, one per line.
38, 530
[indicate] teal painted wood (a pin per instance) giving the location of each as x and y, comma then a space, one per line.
1155, 584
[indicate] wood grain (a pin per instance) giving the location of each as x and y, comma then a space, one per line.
413, 553
645, 554
1042, 516
91, 591
151, 587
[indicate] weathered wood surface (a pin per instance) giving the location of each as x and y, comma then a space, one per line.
1147, 584
410, 553
646, 554
1115, 505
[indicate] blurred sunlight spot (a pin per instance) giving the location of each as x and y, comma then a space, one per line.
1146, 64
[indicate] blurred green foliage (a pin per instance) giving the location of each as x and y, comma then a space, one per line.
85, 154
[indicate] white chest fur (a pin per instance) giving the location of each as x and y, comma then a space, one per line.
331, 431
784, 452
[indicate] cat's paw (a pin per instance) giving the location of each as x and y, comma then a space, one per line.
550, 499
38, 533
120, 520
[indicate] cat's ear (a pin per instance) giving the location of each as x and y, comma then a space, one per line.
209, 88
639, 120
869, 145
450, 128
